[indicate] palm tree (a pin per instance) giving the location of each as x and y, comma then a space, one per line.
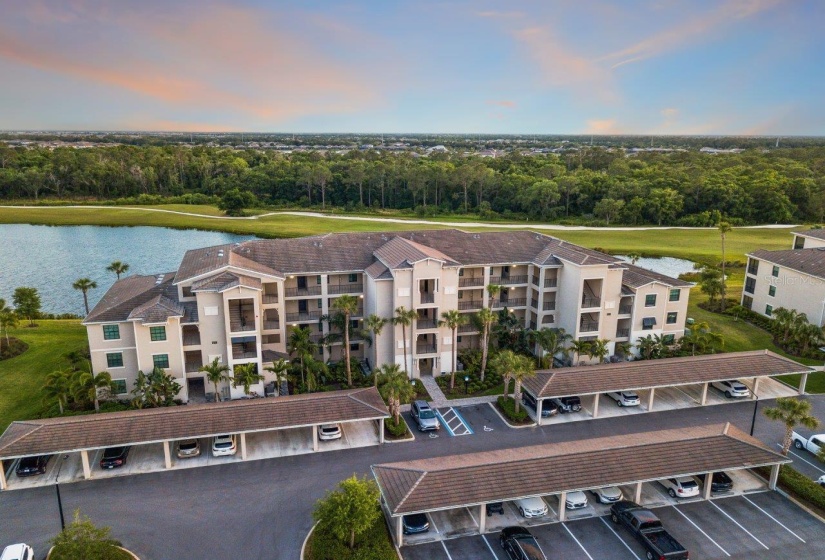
8, 320
505, 362
216, 372
633, 257
84, 386
492, 291
452, 319
623, 348
404, 317
118, 268
484, 318
395, 388
280, 370
300, 343
552, 342
807, 335
84, 285
580, 348
347, 306
785, 320
524, 368
792, 412
648, 348
724, 228
598, 349
374, 324
245, 375
57, 387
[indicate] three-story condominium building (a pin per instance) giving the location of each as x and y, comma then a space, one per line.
238, 303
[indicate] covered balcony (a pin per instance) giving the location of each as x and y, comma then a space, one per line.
270, 293
272, 321
191, 335
241, 315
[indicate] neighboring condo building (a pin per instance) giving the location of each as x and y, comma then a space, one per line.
792, 278
239, 302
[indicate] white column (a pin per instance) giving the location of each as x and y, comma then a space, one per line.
650, 400
167, 456
596, 405
802, 382
638, 495
381, 431
538, 410
755, 392
243, 446
774, 477
314, 438
3, 484
708, 484
482, 519
562, 506
399, 532
87, 471
704, 394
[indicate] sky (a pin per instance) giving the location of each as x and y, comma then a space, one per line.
744, 67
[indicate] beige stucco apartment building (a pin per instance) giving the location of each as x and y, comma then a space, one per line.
792, 278
239, 302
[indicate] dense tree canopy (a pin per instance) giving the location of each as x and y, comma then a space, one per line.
681, 187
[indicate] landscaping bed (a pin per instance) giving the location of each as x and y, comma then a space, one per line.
507, 406
14, 347
113, 553
394, 432
375, 544
492, 385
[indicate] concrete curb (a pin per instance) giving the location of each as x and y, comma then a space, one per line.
506, 421
306, 540
402, 440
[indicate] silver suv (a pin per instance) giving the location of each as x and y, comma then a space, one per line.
424, 416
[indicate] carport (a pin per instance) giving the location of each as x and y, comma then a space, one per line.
682, 382
154, 430
470, 481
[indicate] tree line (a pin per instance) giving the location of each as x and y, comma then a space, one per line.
589, 183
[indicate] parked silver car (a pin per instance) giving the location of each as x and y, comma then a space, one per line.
424, 416
188, 448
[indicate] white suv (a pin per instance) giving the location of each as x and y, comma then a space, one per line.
17, 552
625, 398
732, 388
531, 507
224, 445
682, 487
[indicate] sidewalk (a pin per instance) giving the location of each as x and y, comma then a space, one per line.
439, 400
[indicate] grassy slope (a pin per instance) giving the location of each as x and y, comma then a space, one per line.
22, 376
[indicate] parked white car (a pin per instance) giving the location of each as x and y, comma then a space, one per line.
575, 500
18, 551
682, 487
821, 480
328, 432
224, 445
531, 507
608, 495
625, 398
732, 388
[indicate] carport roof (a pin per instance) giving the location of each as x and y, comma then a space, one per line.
647, 374
508, 474
94, 431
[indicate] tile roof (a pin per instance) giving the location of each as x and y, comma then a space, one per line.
157, 310
378, 271
129, 294
636, 277
507, 474
402, 253
815, 233
806, 261
94, 431
645, 374
225, 281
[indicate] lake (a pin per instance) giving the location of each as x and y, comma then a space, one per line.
670, 266
51, 258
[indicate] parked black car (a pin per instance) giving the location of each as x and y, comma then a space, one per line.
719, 483
415, 523
114, 457
568, 404
495, 507
30, 466
520, 544
548, 407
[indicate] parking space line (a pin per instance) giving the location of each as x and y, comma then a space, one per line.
463, 421
774, 518
739, 525
493, 552
473, 517
606, 524
577, 540
689, 520
432, 521
447, 551
798, 456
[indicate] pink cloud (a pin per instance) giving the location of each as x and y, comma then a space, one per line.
502, 103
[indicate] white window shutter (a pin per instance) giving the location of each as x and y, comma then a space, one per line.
403, 292
211, 310
449, 290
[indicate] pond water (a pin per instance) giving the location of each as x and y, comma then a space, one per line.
51, 258
670, 266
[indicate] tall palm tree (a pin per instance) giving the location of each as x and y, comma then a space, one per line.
786, 320
598, 349
347, 306
84, 285
84, 386
452, 319
374, 324
492, 291
395, 387
300, 344
648, 348
552, 342
58, 387
245, 375
118, 268
505, 362
216, 372
580, 348
792, 412
280, 370
724, 228
404, 317
484, 318
524, 368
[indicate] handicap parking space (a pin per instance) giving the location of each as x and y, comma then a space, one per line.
452, 422
482, 418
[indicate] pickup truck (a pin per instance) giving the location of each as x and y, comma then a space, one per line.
812, 444
648, 530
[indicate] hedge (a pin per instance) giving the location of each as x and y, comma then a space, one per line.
375, 544
394, 430
508, 406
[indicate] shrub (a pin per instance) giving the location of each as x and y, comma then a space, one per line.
374, 544
508, 407
82, 539
396, 430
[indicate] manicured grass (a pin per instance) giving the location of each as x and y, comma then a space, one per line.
22, 377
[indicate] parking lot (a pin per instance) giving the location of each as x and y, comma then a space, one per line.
761, 525
466, 421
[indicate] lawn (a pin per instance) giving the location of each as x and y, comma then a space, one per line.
22, 376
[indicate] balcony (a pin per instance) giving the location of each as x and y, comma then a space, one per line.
510, 280
515, 302
625, 309
191, 336
425, 348
192, 367
588, 326
467, 329
622, 333
241, 353
548, 319
548, 306
316, 338
496, 304
242, 326
272, 325
335, 289
534, 304
426, 297
471, 282
551, 282
426, 324
303, 317
535, 280
588, 302
303, 292
467, 305
269, 299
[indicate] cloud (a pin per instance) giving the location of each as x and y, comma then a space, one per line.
602, 126
669, 112
502, 103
